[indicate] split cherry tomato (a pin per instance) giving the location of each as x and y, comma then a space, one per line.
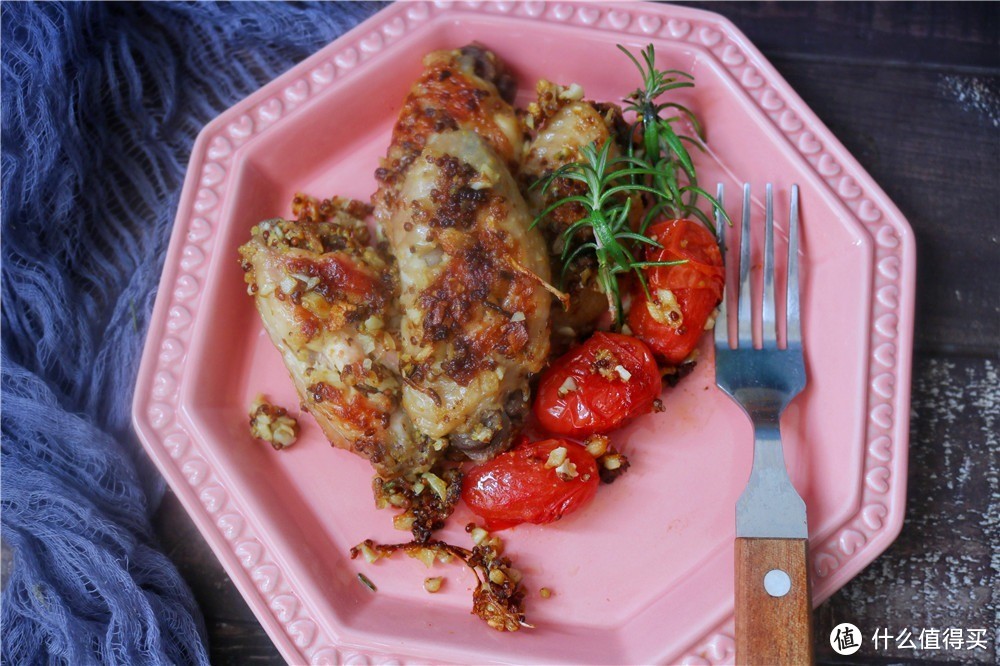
682, 296
524, 486
598, 386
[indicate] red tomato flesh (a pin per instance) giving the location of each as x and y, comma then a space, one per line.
517, 487
683, 296
598, 386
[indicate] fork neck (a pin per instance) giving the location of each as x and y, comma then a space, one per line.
768, 457
765, 419
766, 432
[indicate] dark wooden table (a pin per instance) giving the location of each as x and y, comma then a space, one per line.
913, 91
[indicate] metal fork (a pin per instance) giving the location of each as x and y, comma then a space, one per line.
773, 600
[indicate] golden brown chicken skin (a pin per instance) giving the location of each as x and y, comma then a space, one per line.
468, 88
326, 299
472, 272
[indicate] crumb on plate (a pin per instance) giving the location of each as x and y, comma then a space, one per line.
272, 424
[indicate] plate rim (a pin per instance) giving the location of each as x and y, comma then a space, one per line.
161, 427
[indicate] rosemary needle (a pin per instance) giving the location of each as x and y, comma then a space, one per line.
367, 582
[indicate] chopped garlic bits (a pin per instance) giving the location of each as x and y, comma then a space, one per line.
564, 467
437, 484
596, 445
611, 463
567, 471
272, 424
556, 457
567, 387
665, 309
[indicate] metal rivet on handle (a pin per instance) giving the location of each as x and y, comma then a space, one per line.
777, 583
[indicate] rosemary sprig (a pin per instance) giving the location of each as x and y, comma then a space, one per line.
660, 169
675, 178
607, 202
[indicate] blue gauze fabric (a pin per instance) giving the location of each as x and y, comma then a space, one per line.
101, 104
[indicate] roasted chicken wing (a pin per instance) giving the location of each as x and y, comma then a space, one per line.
473, 274
561, 122
326, 298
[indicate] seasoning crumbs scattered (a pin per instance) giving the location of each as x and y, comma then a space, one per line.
272, 424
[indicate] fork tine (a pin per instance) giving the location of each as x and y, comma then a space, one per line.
721, 322
768, 327
743, 317
793, 322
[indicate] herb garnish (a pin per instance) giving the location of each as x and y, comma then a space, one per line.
658, 173
675, 178
611, 187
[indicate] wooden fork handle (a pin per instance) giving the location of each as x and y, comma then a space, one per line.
773, 630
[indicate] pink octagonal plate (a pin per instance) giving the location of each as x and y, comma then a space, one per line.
644, 574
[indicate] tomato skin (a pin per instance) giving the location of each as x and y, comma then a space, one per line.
599, 403
516, 486
675, 328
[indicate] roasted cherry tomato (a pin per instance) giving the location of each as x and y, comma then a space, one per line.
531, 483
597, 386
682, 296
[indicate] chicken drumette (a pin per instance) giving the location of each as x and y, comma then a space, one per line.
473, 273
326, 298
